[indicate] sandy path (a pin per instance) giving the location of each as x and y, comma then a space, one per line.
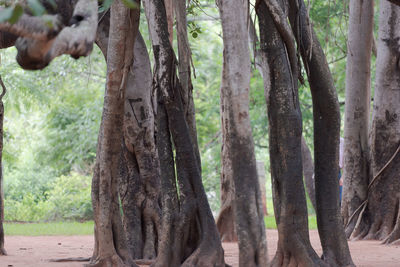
36, 251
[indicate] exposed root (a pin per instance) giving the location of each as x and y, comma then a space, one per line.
204, 257
112, 261
3, 252
70, 259
394, 236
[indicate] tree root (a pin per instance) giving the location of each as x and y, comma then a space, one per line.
70, 259
3, 252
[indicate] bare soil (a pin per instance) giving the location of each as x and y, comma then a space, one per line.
27, 251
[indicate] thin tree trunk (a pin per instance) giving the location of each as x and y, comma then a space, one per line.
247, 205
110, 243
326, 115
308, 171
284, 116
2, 249
189, 236
380, 215
357, 113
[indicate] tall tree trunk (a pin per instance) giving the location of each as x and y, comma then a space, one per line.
2, 249
235, 87
284, 116
380, 215
140, 182
110, 242
188, 236
326, 115
308, 171
357, 113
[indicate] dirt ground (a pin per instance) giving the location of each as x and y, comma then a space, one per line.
37, 251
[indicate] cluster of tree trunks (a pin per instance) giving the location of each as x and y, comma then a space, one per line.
372, 205
148, 161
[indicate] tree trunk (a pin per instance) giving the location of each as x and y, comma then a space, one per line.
110, 243
308, 171
235, 87
380, 216
188, 235
284, 116
140, 186
358, 91
2, 249
326, 115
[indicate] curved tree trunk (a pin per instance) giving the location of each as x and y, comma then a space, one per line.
380, 217
326, 115
110, 242
239, 146
188, 233
2, 249
284, 116
357, 113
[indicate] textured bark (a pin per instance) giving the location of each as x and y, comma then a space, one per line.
308, 171
357, 109
284, 116
235, 87
380, 216
326, 115
110, 242
188, 234
2, 249
140, 186
72, 31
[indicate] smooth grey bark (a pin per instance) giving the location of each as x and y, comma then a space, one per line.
379, 216
326, 116
285, 129
4, 90
110, 242
308, 171
235, 87
357, 109
188, 233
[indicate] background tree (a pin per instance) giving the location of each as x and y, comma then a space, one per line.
238, 148
378, 217
358, 88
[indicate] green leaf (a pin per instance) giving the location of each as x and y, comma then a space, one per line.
36, 7
130, 3
16, 14
105, 5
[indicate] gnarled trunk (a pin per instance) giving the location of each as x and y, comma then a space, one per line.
188, 233
110, 242
284, 116
357, 113
326, 138
140, 183
380, 215
239, 146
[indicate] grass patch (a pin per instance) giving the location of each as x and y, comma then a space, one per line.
86, 228
271, 224
53, 228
